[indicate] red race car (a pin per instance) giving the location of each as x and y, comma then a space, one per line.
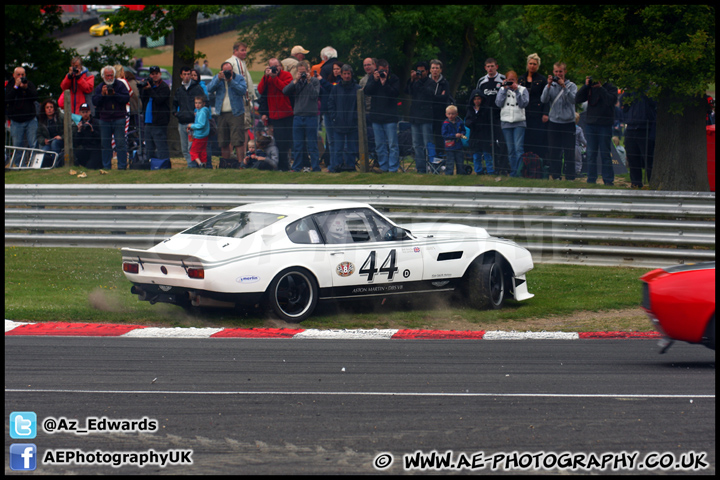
680, 301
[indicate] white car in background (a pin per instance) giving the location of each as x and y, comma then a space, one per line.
288, 255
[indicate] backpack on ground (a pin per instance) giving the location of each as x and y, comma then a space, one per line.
531, 165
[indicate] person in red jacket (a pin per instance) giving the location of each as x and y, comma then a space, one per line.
280, 110
79, 82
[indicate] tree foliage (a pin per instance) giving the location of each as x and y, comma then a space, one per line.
28, 44
668, 50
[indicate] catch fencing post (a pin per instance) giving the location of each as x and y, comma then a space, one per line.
363, 157
68, 127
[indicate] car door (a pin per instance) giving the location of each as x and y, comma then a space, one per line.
366, 258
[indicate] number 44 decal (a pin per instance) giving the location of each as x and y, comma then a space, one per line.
388, 266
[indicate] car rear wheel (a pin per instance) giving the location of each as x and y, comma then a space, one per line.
293, 295
486, 284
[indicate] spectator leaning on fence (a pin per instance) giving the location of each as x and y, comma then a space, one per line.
110, 98
20, 98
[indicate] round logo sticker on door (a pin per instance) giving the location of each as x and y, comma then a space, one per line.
345, 269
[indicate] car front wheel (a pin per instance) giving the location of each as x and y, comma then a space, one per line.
485, 287
293, 295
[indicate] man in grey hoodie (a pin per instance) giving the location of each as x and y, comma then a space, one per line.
306, 90
560, 94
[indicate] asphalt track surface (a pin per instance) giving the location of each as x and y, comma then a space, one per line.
306, 406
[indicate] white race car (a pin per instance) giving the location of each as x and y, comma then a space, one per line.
288, 255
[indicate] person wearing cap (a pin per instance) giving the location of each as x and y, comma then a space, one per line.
156, 114
297, 54
86, 140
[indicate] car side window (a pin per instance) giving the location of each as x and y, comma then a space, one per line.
303, 231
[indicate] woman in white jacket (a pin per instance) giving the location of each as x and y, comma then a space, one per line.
512, 100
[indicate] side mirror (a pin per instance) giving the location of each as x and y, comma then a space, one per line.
395, 234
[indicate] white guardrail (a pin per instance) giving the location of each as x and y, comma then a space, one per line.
558, 225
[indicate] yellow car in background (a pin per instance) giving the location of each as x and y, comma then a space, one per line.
102, 29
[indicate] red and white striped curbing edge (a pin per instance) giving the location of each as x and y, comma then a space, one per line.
65, 329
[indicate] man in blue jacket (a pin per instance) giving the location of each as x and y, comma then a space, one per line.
156, 99
229, 105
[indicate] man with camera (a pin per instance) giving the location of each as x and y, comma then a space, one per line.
421, 112
110, 99
384, 87
560, 94
155, 94
306, 91
79, 82
229, 88
490, 85
280, 110
20, 99
601, 99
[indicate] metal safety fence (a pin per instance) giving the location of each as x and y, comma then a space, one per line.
561, 225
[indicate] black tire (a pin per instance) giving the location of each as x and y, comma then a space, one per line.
710, 333
485, 287
293, 295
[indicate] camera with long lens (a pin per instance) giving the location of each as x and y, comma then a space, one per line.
141, 83
382, 74
228, 74
303, 75
556, 79
110, 90
274, 70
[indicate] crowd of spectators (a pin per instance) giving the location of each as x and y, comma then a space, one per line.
508, 115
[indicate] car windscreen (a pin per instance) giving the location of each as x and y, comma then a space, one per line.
234, 224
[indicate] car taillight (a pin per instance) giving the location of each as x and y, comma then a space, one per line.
131, 267
196, 273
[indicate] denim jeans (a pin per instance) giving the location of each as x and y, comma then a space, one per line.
108, 128
156, 141
345, 149
514, 139
185, 145
421, 135
386, 146
22, 130
305, 134
478, 158
454, 159
598, 142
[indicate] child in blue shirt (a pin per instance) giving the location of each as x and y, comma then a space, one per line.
200, 131
453, 132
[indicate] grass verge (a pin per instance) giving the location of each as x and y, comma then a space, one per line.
87, 285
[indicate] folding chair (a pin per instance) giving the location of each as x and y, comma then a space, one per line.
436, 166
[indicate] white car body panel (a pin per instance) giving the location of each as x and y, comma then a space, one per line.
435, 256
